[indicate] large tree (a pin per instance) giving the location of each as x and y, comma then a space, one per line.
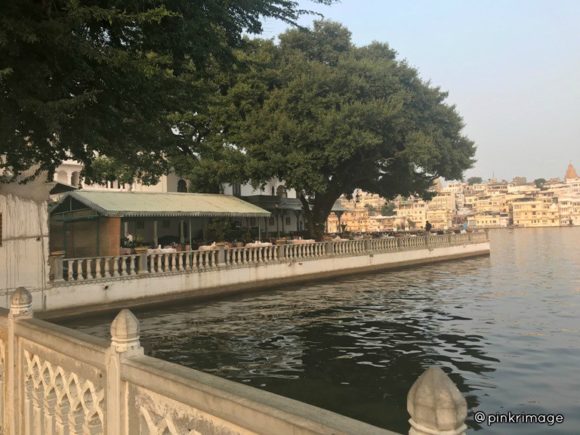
328, 117
121, 78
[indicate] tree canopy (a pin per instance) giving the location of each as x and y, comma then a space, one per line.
388, 209
328, 117
474, 180
121, 78
540, 182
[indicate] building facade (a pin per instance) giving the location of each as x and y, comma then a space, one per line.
24, 259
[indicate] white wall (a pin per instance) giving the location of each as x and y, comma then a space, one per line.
69, 172
24, 250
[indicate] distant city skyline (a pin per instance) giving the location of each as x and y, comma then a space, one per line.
510, 67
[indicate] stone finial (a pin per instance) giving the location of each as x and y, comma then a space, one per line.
436, 406
21, 303
125, 332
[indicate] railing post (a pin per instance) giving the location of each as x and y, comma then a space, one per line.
125, 343
221, 256
329, 248
56, 267
436, 406
20, 309
281, 253
20, 304
143, 263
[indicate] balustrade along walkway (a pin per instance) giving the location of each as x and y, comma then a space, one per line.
95, 268
79, 285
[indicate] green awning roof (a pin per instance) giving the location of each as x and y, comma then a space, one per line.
145, 204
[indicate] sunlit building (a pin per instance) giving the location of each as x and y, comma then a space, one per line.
492, 219
532, 212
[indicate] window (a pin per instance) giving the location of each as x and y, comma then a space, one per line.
75, 179
181, 186
288, 220
236, 189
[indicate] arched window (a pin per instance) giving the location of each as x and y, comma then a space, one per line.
181, 186
75, 179
281, 192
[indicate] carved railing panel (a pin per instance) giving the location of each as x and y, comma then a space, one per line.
61, 396
160, 415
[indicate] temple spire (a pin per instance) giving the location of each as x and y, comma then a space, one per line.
570, 173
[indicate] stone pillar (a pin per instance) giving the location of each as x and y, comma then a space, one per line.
280, 252
125, 343
20, 304
155, 234
221, 256
436, 406
125, 331
143, 261
20, 309
367, 245
329, 248
56, 267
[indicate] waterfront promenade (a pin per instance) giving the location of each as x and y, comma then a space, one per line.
80, 285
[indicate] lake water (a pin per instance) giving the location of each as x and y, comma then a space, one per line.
505, 327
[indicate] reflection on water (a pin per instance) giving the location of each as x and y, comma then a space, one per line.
506, 329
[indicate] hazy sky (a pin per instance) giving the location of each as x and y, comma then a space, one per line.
512, 67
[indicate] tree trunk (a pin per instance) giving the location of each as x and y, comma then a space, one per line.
317, 213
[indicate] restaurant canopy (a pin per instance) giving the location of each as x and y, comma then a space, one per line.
148, 204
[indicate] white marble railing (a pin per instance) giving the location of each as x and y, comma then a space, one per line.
95, 268
54, 380
81, 269
184, 261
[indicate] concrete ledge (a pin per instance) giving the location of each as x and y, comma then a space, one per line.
257, 410
100, 297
